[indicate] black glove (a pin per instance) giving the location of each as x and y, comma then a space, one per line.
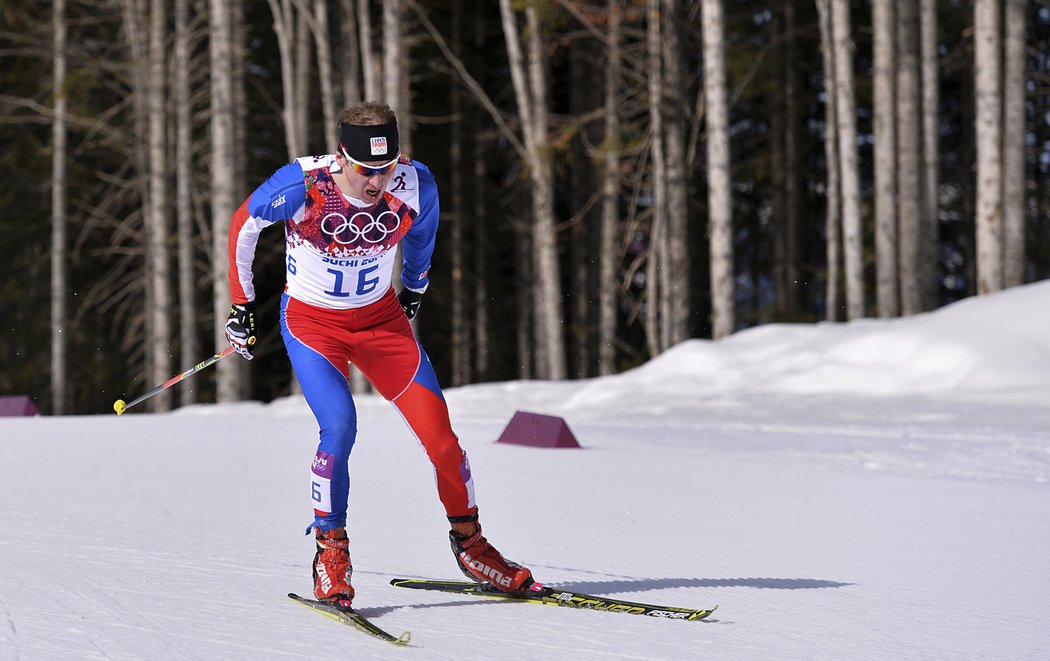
410, 301
240, 329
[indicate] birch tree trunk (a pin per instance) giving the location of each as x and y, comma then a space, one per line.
188, 344
230, 372
988, 88
929, 49
395, 94
283, 12
718, 186
909, 157
317, 21
1014, 179
887, 284
132, 19
371, 69
302, 86
656, 254
158, 231
392, 55
847, 138
608, 252
396, 90
831, 150
350, 54
530, 91
325, 70
59, 257
676, 295
664, 273
370, 66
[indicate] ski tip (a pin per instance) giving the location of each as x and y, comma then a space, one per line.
705, 613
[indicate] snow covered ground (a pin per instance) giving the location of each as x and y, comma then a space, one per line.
876, 490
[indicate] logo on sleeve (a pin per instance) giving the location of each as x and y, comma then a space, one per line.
378, 145
278, 202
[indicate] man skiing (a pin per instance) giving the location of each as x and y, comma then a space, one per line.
343, 216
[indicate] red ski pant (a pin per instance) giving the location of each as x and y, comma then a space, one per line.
378, 339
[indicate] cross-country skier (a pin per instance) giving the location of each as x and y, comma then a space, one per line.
343, 216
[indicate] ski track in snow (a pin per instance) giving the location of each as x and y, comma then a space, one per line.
824, 561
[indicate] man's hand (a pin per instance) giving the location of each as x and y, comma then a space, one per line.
240, 329
410, 301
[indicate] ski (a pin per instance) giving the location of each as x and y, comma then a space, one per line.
353, 618
540, 594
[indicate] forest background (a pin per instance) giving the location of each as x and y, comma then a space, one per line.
616, 176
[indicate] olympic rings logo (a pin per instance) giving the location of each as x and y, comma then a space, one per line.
372, 229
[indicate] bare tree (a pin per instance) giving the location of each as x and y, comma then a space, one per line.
530, 90
1014, 179
159, 268
223, 200
988, 87
396, 89
909, 157
59, 221
887, 284
608, 251
148, 140
302, 79
720, 205
656, 270
931, 130
370, 65
676, 294
833, 239
316, 18
847, 138
284, 27
350, 54
189, 345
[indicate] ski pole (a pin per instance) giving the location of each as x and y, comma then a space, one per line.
119, 406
